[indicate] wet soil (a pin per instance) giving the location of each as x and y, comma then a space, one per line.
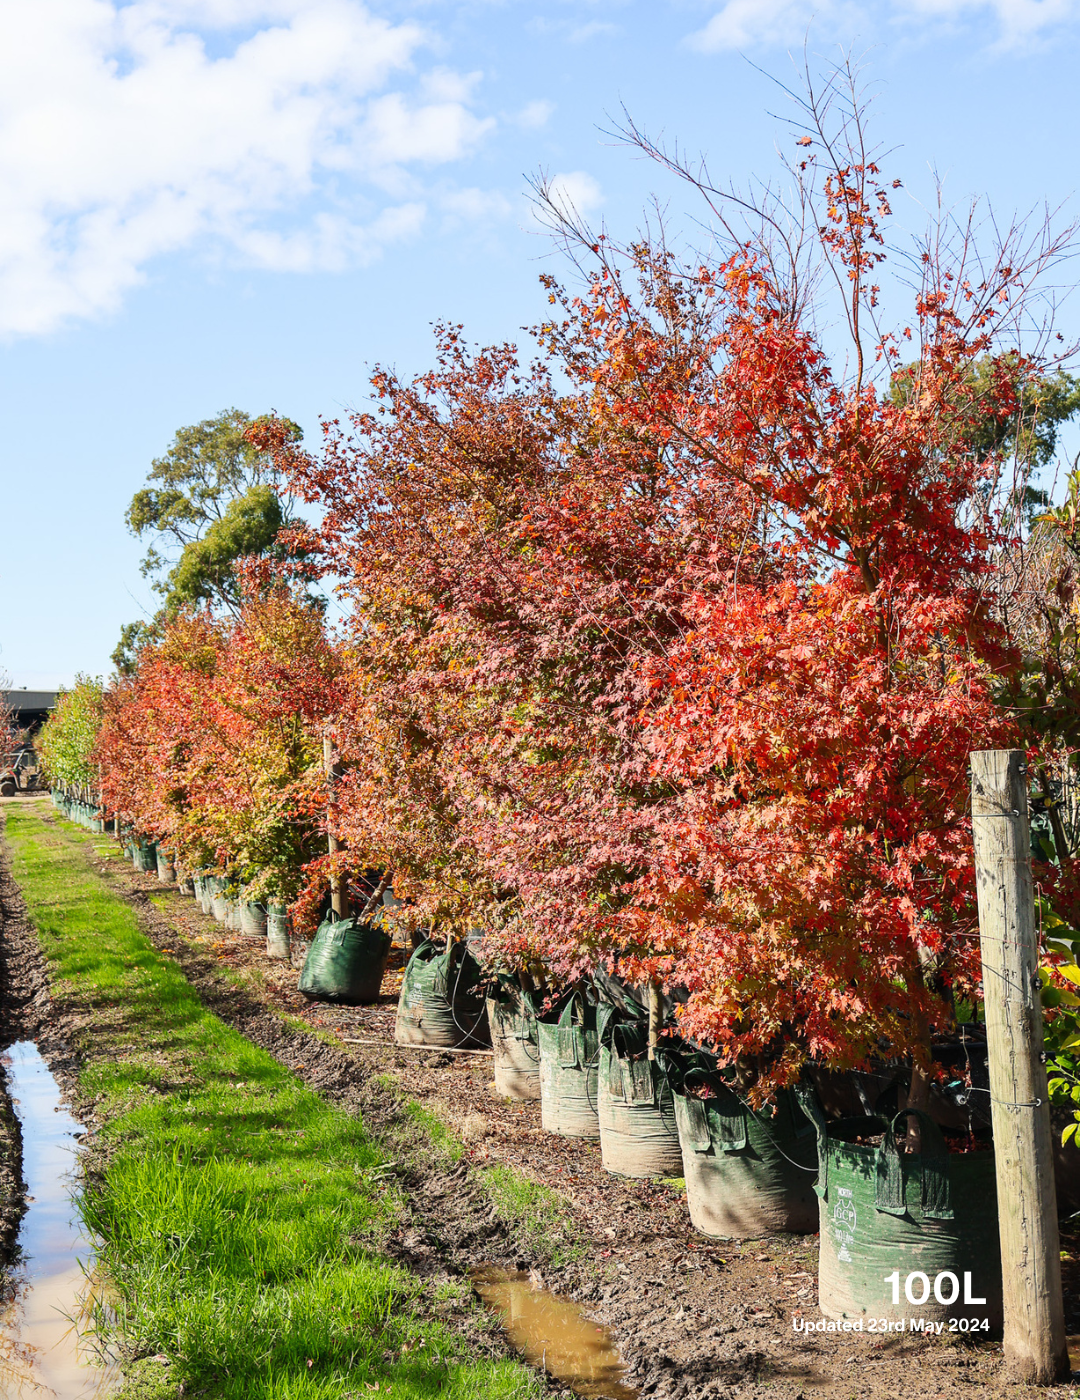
48, 1344
12, 1186
692, 1317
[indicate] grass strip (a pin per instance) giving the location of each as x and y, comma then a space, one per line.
240, 1214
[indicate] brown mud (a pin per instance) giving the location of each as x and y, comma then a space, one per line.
12, 1186
693, 1318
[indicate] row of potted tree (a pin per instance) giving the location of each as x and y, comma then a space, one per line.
662, 658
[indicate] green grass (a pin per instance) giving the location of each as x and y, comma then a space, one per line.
541, 1221
241, 1214
442, 1139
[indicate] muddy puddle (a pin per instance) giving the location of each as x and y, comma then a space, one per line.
46, 1342
554, 1334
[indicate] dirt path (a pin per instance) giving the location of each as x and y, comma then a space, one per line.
692, 1317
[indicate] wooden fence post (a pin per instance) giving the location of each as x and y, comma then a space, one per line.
338, 895
1035, 1347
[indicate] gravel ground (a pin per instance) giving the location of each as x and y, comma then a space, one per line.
692, 1317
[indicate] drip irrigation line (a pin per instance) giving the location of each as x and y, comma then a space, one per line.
425, 1049
467, 1034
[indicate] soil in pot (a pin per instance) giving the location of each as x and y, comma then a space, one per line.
638, 1133
252, 920
345, 962
278, 933
907, 1235
442, 1001
514, 1041
747, 1172
570, 1068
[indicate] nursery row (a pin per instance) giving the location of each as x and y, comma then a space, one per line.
597, 1058
660, 664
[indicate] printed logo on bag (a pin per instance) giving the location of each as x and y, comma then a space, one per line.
844, 1211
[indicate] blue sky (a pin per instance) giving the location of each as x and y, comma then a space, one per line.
209, 203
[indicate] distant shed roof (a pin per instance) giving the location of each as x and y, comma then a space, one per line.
30, 702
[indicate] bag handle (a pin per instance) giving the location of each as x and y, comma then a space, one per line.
808, 1102
890, 1195
571, 1038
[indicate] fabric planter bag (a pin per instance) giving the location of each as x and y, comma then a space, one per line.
252, 921
636, 1111
218, 905
442, 1001
145, 857
166, 870
345, 962
278, 940
907, 1235
570, 1069
748, 1173
512, 1019
210, 890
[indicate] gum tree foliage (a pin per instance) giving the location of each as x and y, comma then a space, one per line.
208, 502
67, 743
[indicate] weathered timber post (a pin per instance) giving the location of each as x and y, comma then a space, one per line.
656, 1014
1035, 1345
339, 901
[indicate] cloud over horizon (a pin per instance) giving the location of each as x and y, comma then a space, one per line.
264, 130
746, 24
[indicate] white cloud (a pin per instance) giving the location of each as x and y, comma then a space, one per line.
592, 30
574, 192
1017, 20
534, 115
746, 24
474, 206
132, 130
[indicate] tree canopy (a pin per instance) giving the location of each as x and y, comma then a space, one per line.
208, 502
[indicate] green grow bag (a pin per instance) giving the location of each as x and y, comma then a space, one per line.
253, 921
636, 1111
516, 1050
219, 904
166, 870
345, 962
907, 1235
747, 1172
145, 857
570, 1069
442, 1001
278, 940
208, 885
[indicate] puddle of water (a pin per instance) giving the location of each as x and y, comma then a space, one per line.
551, 1332
46, 1341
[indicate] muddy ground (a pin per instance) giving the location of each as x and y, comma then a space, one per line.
692, 1317
12, 1186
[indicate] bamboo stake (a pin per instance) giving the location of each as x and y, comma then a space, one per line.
1035, 1347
